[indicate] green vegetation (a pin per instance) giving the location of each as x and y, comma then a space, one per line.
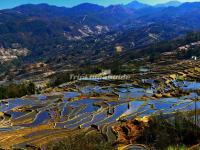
193, 52
61, 78
153, 51
182, 147
92, 141
176, 133
4, 67
15, 90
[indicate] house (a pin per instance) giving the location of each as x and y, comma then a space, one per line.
194, 57
184, 48
106, 72
168, 55
119, 49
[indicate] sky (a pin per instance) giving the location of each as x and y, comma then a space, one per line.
69, 3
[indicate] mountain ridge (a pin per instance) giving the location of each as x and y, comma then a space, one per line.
48, 31
169, 4
136, 5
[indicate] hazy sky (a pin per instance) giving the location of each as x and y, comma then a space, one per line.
69, 3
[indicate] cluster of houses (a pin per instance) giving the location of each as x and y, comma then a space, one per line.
186, 47
11, 54
172, 54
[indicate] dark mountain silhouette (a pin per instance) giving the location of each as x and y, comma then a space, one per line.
92, 29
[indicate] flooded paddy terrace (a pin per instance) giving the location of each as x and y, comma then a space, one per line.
39, 119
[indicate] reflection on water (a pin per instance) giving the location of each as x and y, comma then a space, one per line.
41, 118
186, 85
85, 112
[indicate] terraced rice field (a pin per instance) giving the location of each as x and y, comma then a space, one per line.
39, 119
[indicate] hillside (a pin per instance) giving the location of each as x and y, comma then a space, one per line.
51, 32
91, 77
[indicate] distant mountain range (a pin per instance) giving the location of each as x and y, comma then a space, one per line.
89, 29
169, 4
136, 5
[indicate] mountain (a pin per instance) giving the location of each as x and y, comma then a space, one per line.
169, 4
86, 8
176, 16
115, 15
39, 10
136, 5
50, 32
